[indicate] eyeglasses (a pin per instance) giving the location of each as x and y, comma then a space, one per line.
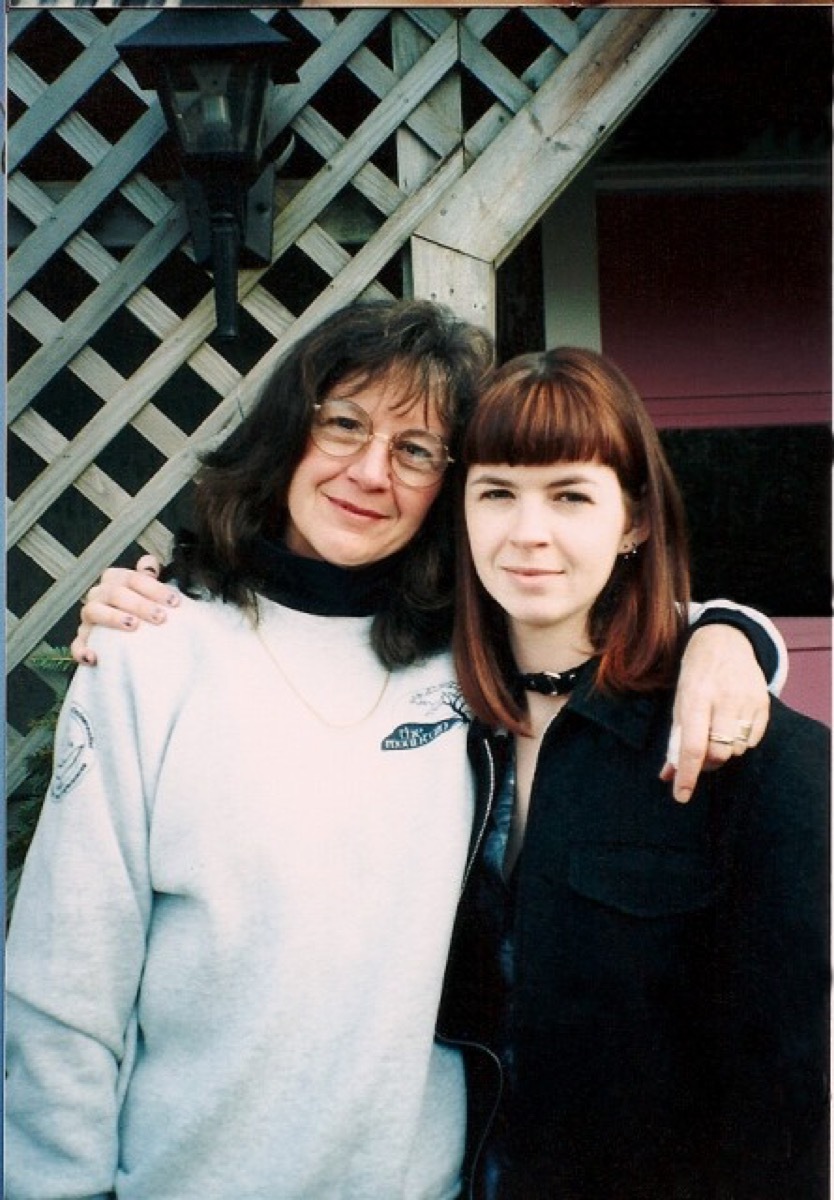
341, 428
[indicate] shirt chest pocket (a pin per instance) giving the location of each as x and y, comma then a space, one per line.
636, 932
642, 881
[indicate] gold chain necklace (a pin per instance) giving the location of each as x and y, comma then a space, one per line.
310, 707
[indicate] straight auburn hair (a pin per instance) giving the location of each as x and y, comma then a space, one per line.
562, 406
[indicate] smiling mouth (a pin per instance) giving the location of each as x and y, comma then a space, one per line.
355, 511
531, 572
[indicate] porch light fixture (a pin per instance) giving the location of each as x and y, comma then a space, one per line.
213, 70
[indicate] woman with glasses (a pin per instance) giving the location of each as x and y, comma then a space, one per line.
229, 942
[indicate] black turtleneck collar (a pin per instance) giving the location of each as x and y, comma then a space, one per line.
321, 588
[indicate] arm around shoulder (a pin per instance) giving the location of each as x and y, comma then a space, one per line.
766, 640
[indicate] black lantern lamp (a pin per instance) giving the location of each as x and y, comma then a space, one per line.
213, 70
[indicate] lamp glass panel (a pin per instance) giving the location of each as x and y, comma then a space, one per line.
218, 106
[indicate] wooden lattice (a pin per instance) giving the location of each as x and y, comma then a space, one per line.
461, 127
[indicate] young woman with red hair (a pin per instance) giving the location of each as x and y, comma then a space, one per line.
640, 986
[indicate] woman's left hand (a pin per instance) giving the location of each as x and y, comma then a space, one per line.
722, 706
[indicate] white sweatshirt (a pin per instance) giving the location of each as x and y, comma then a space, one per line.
229, 941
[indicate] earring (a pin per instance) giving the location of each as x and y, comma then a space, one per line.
629, 552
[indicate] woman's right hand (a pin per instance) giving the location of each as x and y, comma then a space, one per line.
121, 600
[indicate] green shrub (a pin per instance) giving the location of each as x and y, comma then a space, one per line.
24, 806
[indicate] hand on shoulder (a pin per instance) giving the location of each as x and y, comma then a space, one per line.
123, 599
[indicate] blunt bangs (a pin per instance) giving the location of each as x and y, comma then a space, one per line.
554, 407
574, 405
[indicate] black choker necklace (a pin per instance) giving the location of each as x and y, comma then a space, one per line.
552, 683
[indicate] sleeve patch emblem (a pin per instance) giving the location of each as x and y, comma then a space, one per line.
74, 755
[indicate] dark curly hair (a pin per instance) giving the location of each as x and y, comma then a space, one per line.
242, 486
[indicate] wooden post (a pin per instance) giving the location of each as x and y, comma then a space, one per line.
464, 283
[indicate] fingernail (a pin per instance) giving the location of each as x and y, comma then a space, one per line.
129, 622
88, 658
683, 797
158, 616
172, 599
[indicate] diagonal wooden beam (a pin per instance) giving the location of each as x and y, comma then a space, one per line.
486, 213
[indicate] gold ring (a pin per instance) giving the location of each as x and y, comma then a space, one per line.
721, 741
745, 729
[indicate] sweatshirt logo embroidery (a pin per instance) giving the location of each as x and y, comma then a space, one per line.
413, 734
75, 756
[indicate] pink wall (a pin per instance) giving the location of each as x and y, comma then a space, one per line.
808, 687
717, 305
